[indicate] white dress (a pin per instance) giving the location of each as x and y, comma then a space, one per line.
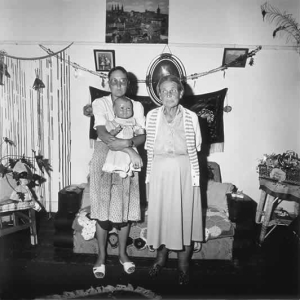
174, 208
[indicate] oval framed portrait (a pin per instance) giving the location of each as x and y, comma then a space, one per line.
164, 64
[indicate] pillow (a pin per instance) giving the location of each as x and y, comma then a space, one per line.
217, 224
7, 185
216, 194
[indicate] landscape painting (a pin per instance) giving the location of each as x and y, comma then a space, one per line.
235, 57
135, 21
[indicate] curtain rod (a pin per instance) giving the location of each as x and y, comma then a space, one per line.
195, 45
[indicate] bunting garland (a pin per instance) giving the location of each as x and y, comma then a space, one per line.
190, 77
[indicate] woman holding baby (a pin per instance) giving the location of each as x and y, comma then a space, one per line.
115, 201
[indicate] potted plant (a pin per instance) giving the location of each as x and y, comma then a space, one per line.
22, 174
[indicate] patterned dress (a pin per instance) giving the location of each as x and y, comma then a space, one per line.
174, 209
114, 200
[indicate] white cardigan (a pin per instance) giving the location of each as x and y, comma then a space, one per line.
193, 139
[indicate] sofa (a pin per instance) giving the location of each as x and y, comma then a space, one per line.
219, 230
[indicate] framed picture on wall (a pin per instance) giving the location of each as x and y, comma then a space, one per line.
104, 60
235, 57
139, 22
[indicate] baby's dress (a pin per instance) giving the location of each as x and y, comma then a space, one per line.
118, 161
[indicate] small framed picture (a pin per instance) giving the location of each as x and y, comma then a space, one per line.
235, 57
104, 60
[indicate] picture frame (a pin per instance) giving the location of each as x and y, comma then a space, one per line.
137, 22
104, 60
235, 57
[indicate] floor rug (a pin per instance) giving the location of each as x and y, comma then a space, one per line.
107, 292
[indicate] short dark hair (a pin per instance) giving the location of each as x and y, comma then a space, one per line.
117, 68
170, 78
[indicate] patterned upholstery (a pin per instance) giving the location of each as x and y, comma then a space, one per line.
219, 229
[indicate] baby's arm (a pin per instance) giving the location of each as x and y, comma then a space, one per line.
116, 130
113, 128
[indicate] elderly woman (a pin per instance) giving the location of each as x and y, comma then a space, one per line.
174, 201
115, 201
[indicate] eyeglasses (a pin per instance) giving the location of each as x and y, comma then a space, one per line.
115, 81
172, 92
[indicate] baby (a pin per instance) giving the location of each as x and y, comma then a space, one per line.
123, 126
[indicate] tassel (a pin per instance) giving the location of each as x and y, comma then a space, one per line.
3, 70
38, 83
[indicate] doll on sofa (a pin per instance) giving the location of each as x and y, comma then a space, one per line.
123, 126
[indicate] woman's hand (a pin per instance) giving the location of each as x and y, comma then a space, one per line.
118, 144
135, 158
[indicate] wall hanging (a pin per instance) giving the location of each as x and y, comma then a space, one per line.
168, 63
209, 108
35, 115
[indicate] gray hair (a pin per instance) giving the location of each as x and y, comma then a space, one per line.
170, 78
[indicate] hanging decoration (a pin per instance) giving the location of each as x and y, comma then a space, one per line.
37, 117
3, 53
226, 66
3, 69
38, 83
75, 65
190, 77
227, 108
285, 23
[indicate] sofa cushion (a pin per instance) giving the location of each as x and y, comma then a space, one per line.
216, 195
217, 224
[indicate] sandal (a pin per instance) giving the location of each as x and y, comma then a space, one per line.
99, 271
183, 278
129, 266
160, 261
155, 270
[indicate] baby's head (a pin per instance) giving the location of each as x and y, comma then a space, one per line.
123, 108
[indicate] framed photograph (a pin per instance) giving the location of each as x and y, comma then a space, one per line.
235, 57
138, 22
104, 60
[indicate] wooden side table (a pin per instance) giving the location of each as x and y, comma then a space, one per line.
272, 193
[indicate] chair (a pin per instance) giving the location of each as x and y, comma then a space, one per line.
21, 214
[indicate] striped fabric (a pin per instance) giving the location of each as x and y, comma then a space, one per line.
193, 139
